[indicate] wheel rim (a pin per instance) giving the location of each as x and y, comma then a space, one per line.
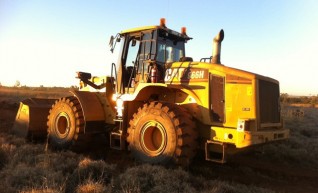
153, 138
62, 125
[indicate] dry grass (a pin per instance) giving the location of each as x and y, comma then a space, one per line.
147, 178
301, 149
295, 157
90, 175
91, 187
29, 168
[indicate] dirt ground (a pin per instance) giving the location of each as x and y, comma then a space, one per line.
245, 168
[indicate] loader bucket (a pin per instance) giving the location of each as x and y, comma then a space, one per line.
31, 118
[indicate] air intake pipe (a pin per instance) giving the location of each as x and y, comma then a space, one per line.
216, 55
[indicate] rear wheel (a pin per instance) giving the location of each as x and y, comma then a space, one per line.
162, 133
65, 122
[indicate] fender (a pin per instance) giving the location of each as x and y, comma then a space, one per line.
96, 108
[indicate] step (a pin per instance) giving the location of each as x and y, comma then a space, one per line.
215, 151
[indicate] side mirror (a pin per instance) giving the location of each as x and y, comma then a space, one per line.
111, 41
112, 44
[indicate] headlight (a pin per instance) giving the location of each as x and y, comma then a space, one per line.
119, 107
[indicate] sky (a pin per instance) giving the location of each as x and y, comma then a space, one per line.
46, 42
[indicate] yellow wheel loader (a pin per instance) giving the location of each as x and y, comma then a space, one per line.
160, 104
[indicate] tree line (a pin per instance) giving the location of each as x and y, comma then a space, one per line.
288, 99
40, 88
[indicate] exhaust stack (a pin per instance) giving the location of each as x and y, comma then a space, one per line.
216, 55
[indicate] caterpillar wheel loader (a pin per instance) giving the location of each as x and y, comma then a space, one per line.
160, 104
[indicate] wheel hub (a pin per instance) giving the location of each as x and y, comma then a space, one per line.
62, 124
153, 138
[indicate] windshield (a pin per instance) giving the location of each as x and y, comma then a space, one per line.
169, 52
170, 49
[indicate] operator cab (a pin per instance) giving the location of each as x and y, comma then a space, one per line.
146, 53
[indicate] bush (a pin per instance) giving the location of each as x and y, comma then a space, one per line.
91, 186
25, 176
31, 169
90, 174
147, 178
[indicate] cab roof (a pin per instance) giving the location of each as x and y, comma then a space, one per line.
139, 29
154, 27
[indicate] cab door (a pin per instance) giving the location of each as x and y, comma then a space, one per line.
216, 95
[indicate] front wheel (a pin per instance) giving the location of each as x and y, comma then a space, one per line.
65, 122
161, 133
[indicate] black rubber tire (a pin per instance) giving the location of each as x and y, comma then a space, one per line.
65, 122
161, 134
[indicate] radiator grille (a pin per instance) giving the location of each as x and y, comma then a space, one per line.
269, 102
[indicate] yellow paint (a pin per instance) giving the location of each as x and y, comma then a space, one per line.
240, 92
139, 29
246, 138
249, 91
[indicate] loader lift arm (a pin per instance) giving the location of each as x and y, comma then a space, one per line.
84, 77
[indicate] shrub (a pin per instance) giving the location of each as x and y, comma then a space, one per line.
62, 161
147, 178
25, 176
27, 154
91, 186
89, 174
31, 169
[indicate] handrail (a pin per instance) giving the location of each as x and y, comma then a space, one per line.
112, 70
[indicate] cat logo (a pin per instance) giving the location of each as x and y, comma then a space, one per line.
186, 74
